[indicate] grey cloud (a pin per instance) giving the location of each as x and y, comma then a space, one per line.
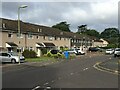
50, 13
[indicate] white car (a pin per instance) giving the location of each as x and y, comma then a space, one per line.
11, 57
117, 52
109, 51
73, 51
80, 51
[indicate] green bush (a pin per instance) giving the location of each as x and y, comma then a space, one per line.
29, 54
44, 51
58, 55
49, 54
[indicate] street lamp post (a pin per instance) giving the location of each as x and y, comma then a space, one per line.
19, 33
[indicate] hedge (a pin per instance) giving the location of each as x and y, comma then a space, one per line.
29, 54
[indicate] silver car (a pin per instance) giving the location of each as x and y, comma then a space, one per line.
11, 57
117, 52
109, 51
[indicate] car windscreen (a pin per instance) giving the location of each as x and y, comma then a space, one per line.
117, 50
14, 54
109, 50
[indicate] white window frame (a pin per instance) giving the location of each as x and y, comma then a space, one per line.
21, 35
11, 34
30, 36
50, 38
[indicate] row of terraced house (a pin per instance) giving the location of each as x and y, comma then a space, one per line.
37, 37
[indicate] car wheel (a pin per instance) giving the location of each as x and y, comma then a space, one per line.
13, 61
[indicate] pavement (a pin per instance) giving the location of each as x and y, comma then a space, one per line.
112, 66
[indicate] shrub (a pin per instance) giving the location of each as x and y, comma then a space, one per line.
49, 54
29, 54
44, 51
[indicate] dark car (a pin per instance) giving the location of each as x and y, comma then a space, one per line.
93, 49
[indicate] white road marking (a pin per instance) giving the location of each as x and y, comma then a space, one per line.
59, 78
71, 73
36, 87
85, 69
46, 83
48, 87
52, 81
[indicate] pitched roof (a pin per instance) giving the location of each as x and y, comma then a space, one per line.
12, 25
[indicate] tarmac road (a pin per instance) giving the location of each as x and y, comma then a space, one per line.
77, 73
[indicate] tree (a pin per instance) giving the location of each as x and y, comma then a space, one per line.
92, 32
119, 40
62, 26
111, 35
82, 28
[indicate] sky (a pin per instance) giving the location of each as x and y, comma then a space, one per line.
97, 14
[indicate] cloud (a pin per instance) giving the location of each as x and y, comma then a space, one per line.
97, 15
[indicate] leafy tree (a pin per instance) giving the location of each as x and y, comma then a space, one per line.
112, 36
119, 40
62, 26
82, 28
92, 33
109, 33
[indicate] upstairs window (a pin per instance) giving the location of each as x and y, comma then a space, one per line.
44, 37
30, 36
19, 35
55, 38
10, 35
50, 38
60, 38
4, 25
37, 37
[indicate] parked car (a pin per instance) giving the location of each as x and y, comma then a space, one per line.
117, 52
11, 57
80, 51
94, 49
109, 51
73, 51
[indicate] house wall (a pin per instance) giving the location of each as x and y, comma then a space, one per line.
98, 44
26, 42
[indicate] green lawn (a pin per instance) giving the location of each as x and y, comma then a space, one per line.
39, 59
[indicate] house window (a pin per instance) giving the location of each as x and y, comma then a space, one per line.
37, 37
50, 38
19, 35
55, 38
60, 38
72, 40
38, 30
4, 25
10, 35
30, 36
30, 48
44, 37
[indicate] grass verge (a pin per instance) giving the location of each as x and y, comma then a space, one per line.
40, 59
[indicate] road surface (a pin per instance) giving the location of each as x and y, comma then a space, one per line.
77, 73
